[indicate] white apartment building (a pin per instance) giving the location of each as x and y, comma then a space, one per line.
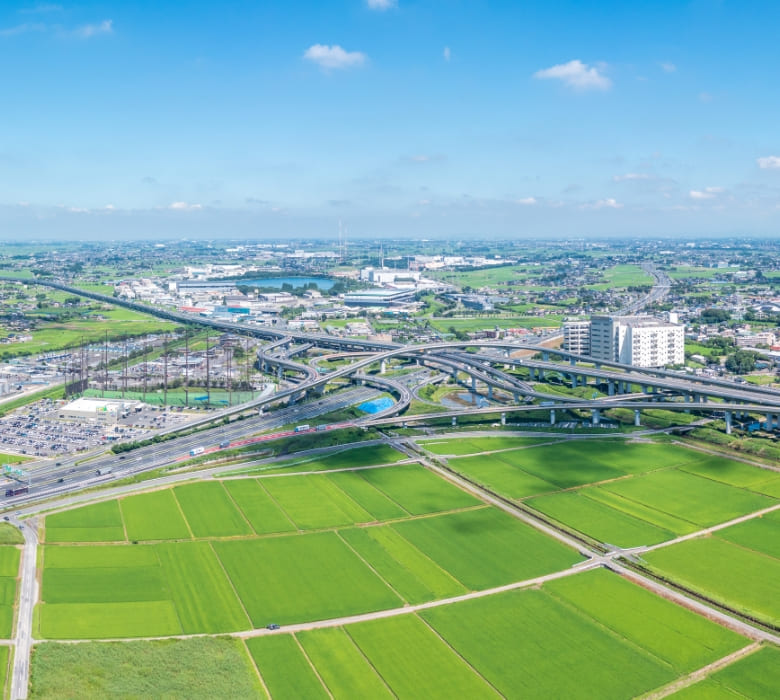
641, 341
576, 337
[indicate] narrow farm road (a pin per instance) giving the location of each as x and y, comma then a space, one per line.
27, 595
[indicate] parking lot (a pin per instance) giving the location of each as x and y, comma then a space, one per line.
38, 429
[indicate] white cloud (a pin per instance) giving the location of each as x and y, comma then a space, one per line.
90, 30
23, 29
706, 193
631, 176
184, 206
333, 56
705, 97
576, 75
381, 5
447, 53
527, 201
668, 67
40, 9
609, 203
769, 162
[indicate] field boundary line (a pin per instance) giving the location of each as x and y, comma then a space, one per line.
369, 662
237, 507
232, 583
257, 670
312, 666
278, 505
701, 673
181, 512
371, 568
459, 655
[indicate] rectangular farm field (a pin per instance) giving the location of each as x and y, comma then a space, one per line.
414, 661
418, 490
486, 547
285, 670
258, 508
210, 512
154, 516
698, 500
738, 577
497, 473
302, 578
100, 522
313, 503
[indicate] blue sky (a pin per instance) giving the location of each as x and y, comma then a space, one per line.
426, 118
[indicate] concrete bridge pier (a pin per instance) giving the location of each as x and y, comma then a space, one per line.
545, 356
490, 392
728, 422
595, 416
503, 419
516, 397
610, 388
279, 372
768, 425
636, 417
572, 361
382, 367
454, 420
552, 416
474, 385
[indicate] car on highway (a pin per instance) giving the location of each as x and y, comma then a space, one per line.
272, 626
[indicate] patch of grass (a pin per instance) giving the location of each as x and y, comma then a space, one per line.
209, 511
697, 500
414, 662
314, 503
744, 580
193, 668
598, 520
756, 676
284, 668
303, 578
486, 547
100, 522
760, 534
418, 490
200, 589
263, 514
501, 474
10, 534
412, 574
680, 637
473, 445
367, 496
154, 516
108, 620
564, 655
341, 665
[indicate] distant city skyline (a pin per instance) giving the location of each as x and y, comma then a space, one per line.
400, 118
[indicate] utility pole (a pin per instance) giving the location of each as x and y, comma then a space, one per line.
165, 370
186, 366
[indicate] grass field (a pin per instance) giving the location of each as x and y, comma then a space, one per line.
275, 579
193, 668
153, 516
486, 547
284, 668
210, 511
101, 522
414, 662
741, 578
756, 676
9, 569
475, 445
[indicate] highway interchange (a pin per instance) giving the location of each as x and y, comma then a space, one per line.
483, 364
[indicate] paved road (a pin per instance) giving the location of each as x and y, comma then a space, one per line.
28, 594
